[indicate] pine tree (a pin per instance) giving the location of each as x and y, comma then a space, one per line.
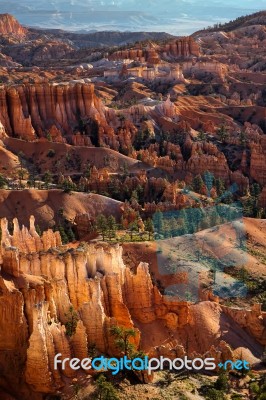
255, 190
149, 227
243, 138
222, 381
184, 222
201, 135
63, 234
122, 339
209, 180
101, 224
67, 186
105, 389
111, 226
197, 184
219, 185
134, 197
3, 182
167, 231
47, 178
222, 133
71, 235
133, 227
38, 230
158, 222
72, 321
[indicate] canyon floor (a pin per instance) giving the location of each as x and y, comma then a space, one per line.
132, 200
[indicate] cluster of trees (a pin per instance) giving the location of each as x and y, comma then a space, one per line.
208, 181
65, 228
192, 220
106, 226
221, 388
68, 186
251, 204
67, 234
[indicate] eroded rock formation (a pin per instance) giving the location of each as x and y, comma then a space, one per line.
9, 25
41, 280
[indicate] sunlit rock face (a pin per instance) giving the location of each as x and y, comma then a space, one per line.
41, 280
9, 25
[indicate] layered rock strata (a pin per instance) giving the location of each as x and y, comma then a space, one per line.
41, 281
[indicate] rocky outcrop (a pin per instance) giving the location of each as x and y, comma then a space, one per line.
253, 320
59, 112
42, 283
203, 67
28, 241
93, 280
183, 47
10, 26
258, 162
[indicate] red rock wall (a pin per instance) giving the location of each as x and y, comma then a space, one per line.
9, 25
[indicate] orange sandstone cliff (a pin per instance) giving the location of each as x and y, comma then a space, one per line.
40, 280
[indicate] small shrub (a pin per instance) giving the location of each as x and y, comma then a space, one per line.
105, 389
51, 153
214, 394
222, 382
72, 322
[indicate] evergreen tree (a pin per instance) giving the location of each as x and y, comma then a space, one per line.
21, 175
72, 321
67, 186
248, 207
3, 182
101, 225
133, 227
149, 227
209, 181
63, 234
202, 136
228, 198
125, 170
196, 216
255, 190
222, 382
134, 196
47, 178
88, 171
184, 222
243, 138
139, 140
105, 389
38, 230
197, 184
222, 134
167, 231
71, 235
219, 185
158, 222
181, 229
122, 339
111, 226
